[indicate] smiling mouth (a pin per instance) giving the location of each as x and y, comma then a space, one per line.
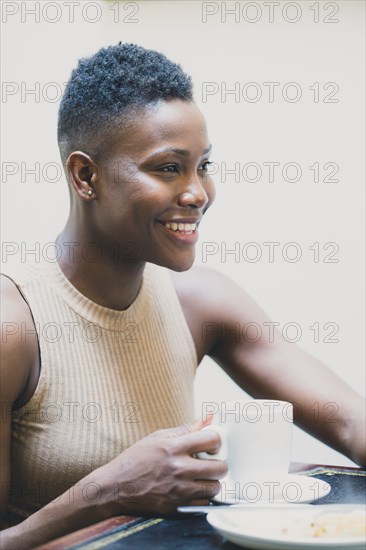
183, 228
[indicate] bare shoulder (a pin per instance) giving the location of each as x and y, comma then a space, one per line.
18, 354
199, 289
211, 303
213, 296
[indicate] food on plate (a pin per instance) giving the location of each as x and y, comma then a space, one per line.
329, 524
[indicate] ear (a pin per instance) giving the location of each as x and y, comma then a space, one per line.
83, 175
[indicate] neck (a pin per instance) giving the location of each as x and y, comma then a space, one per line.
99, 272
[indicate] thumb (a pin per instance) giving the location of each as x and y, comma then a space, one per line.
184, 429
198, 424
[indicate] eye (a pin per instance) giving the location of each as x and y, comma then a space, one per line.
170, 169
205, 165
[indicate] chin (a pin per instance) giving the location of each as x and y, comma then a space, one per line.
179, 269
176, 264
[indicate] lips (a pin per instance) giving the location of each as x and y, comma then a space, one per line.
182, 227
185, 225
181, 230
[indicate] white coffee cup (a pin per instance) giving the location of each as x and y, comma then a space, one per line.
256, 437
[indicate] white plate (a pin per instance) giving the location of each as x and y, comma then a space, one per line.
260, 526
295, 489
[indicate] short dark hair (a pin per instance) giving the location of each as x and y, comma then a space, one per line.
110, 85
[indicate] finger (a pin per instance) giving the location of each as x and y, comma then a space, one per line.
196, 425
189, 469
207, 469
201, 490
198, 502
205, 490
199, 441
184, 429
177, 431
200, 423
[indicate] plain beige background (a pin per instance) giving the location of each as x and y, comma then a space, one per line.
316, 46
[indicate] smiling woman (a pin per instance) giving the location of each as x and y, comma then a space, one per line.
101, 406
155, 174
132, 111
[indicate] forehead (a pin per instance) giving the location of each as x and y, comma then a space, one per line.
172, 123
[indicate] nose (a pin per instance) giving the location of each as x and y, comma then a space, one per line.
193, 194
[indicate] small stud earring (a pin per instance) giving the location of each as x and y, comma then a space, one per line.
90, 192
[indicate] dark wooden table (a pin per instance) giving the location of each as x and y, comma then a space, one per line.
192, 532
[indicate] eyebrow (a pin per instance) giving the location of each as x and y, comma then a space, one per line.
182, 152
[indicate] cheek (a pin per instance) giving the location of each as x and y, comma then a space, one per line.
147, 195
135, 203
120, 172
210, 190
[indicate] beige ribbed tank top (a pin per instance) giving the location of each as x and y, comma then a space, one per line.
107, 379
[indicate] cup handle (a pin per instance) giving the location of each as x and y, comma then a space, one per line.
222, 453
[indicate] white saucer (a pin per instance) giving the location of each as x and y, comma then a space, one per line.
295, 489
263, 527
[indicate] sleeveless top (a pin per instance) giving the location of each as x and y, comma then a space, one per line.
107, 379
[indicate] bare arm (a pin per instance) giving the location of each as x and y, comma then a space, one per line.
160, 468
324, 405
223, 320
17, 360
152, 477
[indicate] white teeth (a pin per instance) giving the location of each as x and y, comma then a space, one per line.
186, 227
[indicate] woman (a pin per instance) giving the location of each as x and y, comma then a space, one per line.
99, 360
